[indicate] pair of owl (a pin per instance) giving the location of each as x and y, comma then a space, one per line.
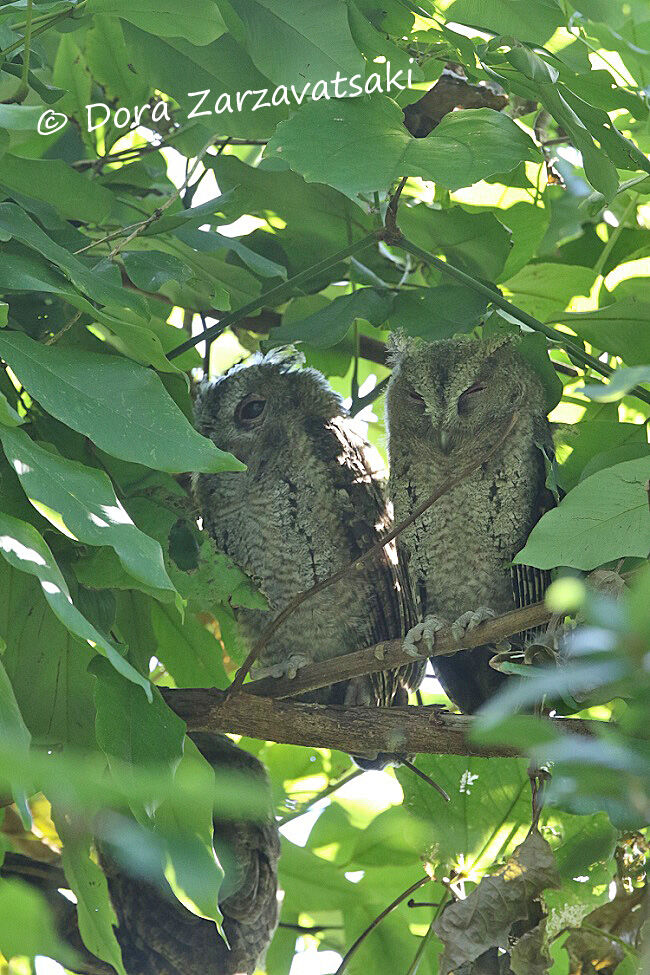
309, 504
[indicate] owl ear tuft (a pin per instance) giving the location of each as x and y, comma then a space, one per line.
499, 340
288, 357
399, 343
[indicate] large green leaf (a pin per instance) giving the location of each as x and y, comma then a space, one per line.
12, 726
130, 733
475, 242
297, 43
327, 143
330, 325
84, 500
489, 808
437, 313
528, 22
122, 407
545, 289
24, 548
16, 223
46, 664
620, 328
95, 913
51, 180
167, 19
27, 925
604, 518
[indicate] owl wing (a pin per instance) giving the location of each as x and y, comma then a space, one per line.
529, 584
391, 604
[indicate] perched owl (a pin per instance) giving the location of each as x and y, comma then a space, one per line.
447, 403
158, 936
307, 505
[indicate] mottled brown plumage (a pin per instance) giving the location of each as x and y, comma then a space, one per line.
158, 936
307, 505
447, 403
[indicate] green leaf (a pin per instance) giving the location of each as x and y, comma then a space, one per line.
27, 926
437, 313
151, 269
330, 325
53, 688
84, 500
293, 44
537, 23
327, 142
74, 196
12, 726
604, 518
24, 548
132, 734
193, 870
589, 438
16, 223
8, 415
619, 328
619, 385
489, 805
475, 242
190, 653
95, 913
4, 314
167, 19
122, 407
545, 289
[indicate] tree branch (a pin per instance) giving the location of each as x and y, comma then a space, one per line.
357, 731
390, 654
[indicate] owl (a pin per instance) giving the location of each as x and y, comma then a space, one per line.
448, 402
308, 504
158, 936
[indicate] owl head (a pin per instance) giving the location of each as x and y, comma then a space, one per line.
452, 393
258, 406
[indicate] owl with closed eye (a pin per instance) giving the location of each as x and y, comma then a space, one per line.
308, 504
449, 402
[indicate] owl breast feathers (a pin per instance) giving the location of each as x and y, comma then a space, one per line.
448, 403
158, 936
307, 505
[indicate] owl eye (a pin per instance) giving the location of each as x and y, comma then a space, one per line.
250, 410
413, 395
465, 399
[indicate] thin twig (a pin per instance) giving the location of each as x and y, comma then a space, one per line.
380, 917
357, 563
137, 228
426, 778
324, 794
277, 294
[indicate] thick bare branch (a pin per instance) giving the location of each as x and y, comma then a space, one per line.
357, 731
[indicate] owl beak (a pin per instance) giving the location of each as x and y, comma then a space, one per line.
444, 439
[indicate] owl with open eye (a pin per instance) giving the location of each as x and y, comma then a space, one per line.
448, 402
308, 504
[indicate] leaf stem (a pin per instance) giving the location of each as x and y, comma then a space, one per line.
380, 917
41, 28
615, 234
278, 294
323, 794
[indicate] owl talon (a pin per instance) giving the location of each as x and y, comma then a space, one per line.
470, 620
424, 632
286, 668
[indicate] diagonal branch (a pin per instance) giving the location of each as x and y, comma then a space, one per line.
357, 563
390, 654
